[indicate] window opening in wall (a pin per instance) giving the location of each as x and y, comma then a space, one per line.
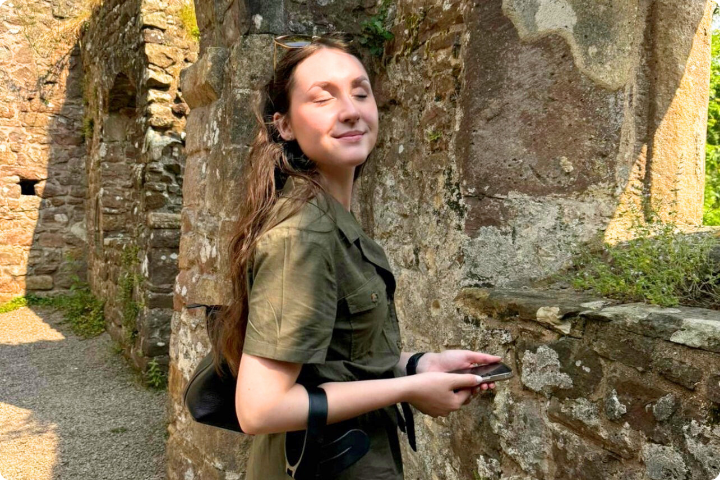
27, 187
711, 208
121, 97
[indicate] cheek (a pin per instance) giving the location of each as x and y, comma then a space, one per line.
371, 117
310, 125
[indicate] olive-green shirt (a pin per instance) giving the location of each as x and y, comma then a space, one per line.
321, 294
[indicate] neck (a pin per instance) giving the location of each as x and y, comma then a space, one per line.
339, 183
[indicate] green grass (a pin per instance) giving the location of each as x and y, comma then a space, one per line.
81, 309
661, 266
14, 304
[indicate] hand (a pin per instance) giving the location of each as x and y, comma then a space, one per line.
438, 393
449, 360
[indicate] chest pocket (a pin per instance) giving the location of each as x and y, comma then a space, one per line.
368, 311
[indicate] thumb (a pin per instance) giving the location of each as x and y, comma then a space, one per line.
462, 380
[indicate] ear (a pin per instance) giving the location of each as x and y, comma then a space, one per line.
283, 126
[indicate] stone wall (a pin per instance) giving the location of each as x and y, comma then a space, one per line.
132, 53
42, 151
510, 131
601, 390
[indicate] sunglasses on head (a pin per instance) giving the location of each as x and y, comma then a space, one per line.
290, 42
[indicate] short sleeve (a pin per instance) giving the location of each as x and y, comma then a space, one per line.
292, 297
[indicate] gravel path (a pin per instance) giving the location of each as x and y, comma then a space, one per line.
72, 409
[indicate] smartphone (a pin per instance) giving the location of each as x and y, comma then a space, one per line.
491, 372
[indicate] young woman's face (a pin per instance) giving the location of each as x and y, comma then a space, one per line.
333, 114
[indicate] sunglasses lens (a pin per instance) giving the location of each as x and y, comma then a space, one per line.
294, 41
297, 44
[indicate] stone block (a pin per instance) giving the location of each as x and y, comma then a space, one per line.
268, 17
557, 310
161, 220
678, 372
158, 96
663, 463
162, 267
39, 282
614, 409
703, 333
158, 80
685, 325
582, 417
581, 364
713, 388
665, 407
160, 116
541, 371
202, 82
159, 300
638, 399
624, 347
154, 20
524, 434
165, 238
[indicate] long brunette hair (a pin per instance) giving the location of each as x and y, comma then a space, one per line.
270, 162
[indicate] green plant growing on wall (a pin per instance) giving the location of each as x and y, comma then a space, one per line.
453, 196
87, 129
433, 136
711, 210
412, 25
660, 265
189, 20
129, 279
154, 376
375, 31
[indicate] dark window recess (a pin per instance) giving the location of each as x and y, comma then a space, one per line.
27, 187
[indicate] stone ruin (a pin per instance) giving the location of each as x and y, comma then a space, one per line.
510, 131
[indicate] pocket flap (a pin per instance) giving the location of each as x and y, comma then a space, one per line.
368, 296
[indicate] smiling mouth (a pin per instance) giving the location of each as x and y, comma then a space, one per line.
354, 136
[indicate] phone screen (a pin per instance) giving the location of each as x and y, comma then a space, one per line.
488, 370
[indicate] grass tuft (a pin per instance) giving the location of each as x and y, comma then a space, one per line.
82, 310
661, 265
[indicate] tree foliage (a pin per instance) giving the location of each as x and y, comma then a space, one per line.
712, 147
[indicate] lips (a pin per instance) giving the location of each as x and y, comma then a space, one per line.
351, 134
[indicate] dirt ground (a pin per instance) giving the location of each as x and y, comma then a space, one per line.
72, 408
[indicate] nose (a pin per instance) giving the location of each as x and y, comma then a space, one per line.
348, 110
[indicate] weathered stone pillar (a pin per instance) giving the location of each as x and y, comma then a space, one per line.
133, 52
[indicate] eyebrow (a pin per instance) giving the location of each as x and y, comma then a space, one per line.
355, 82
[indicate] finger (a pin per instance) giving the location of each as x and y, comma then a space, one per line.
461, 380
482, 358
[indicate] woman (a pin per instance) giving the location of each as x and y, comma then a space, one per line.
313, 294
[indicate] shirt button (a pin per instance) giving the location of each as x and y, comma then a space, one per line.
374, 297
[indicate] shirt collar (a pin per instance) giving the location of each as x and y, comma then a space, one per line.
345, 220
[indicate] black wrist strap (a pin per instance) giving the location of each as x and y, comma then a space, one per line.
411, 367
317, 414
302, 448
